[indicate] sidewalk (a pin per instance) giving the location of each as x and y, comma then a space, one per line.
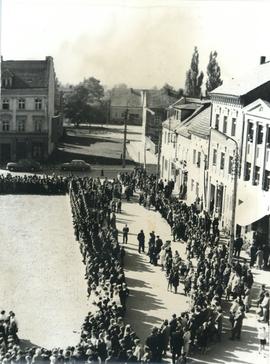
150, 302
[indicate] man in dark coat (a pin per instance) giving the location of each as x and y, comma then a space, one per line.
176, 343
152, 342
125, 234
141, 240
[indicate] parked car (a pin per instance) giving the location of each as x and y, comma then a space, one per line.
76, 165
24, 165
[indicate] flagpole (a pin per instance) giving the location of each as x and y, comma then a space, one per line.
0, 50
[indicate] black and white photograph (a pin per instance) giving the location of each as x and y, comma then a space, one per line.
134, 182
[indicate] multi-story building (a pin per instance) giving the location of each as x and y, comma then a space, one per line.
172, 165
238, 145
253, 192
122, 99
28, 125
184, 153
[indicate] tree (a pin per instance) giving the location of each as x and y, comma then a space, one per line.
180, 93
213, 73
85, 103
193, 78
120, 85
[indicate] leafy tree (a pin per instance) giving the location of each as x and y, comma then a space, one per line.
213, 73
180, 92
168, 87
85, 103
121, 85
194, 79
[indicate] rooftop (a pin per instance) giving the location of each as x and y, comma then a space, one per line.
240, 86
26, 73
198, 123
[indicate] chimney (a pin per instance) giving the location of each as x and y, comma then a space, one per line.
262, 59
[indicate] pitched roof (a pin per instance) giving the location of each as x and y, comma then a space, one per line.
191, 106
124, 97
170, 124
259, 108
240, 86
198, 123
26, 74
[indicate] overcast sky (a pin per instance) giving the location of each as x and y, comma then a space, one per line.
143, 43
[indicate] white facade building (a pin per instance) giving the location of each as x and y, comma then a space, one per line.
230, 151
184, 153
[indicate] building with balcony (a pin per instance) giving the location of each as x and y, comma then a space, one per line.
29, 127
239, 147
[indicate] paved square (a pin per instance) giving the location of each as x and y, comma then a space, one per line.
42, 274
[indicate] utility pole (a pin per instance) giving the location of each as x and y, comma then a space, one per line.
125, 139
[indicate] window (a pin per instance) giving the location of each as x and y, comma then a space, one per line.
214, 157
7, 82
21, 125
197, 189
21, 104
222, 160
217, 122
225, 122
194, 156
5, 104
230, 166
192, 185
257, 176
134, 116
5, 125
199, 159
257, 152
233, 126
266, 184
268, 137
166, 164
247, 171
260, 134
38, 104
250, 132
38, 125
165, 137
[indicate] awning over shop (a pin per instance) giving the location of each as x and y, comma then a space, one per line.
252, 205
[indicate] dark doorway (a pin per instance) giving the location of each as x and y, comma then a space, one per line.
5, 152
212, 198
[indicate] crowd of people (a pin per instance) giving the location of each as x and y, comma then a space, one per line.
206, 275
33, 184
